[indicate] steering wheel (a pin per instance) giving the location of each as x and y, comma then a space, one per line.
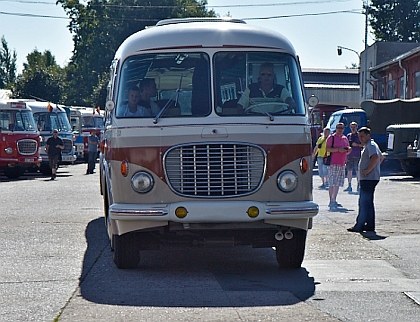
270, 107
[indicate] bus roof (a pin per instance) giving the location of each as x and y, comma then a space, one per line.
203, 34
43, 107
8, 104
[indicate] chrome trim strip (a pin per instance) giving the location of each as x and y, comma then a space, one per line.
137, 212
288, 210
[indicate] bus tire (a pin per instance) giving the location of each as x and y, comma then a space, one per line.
45, 169
126, 251
411, 167
14, 173
290, 252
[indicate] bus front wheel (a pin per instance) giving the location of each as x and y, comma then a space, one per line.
126, 251
290, 252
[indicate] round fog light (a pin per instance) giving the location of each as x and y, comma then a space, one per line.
181, 212
8, 150
253, 212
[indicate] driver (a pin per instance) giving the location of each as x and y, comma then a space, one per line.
266, 88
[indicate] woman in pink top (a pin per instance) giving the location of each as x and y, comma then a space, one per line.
338, 146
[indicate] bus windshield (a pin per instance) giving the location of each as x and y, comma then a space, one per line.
92, 122
179, 83
48, 121
257, 83
17, 120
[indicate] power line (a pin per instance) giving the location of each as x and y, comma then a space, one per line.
191, 6
357, 11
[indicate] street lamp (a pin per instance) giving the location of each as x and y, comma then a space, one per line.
340, 51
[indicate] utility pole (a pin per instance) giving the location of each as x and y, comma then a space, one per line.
365, 78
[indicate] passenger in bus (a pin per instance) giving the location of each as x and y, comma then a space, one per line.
132, 108
148, 90
266, 88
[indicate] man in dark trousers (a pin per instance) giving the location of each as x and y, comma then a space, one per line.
370, 173
93, 142
53, 149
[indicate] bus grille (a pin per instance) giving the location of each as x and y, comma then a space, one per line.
27, 147
214, 170
68, 146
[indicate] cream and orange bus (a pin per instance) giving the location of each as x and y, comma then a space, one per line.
204, 170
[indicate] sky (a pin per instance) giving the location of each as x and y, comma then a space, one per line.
315, 27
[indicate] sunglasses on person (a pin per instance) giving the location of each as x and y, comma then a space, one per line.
340, 127
266, 74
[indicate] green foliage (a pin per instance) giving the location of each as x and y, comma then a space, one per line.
41, 78
7, 65
395, 20
99, 27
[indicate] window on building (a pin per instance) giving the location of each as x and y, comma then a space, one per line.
402, 87
417, 84
391, 89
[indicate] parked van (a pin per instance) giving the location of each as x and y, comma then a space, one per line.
49, 116
19, 139
403, 144
203, 170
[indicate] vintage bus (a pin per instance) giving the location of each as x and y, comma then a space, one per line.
92, 119
78, 138
205, 170
19, 139
50, 116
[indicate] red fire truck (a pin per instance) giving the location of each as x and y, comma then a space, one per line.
19, 139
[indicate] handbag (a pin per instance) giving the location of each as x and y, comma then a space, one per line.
327, 158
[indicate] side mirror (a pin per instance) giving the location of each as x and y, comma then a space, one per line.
313, 101
109, 106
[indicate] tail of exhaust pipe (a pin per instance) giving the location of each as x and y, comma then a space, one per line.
288, 234
279, 235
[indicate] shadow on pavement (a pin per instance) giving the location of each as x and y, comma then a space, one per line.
190, 277
371, 235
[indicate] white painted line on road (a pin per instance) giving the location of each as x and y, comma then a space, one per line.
415, 296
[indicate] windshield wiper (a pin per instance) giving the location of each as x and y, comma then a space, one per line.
165, 107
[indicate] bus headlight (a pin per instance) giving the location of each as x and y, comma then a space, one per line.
8, 150
142, 182
287, 181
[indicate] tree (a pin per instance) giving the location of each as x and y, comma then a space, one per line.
41, 78
395, 20
100, 26
7, 65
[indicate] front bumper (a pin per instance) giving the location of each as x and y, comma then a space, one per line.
214, 212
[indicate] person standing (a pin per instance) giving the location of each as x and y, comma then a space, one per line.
53, 148
93, 142
338, 147
370, 172
352, 163
320, 151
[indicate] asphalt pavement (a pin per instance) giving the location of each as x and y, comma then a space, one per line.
56, 264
